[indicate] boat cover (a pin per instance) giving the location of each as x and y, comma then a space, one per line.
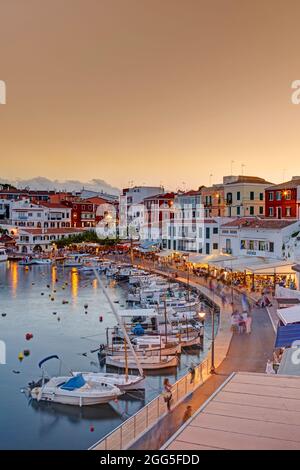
74, 383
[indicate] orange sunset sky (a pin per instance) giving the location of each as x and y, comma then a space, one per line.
150, 91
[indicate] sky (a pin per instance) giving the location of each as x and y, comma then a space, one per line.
172, 92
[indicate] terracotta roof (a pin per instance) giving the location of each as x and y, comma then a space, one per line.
53, 205
287, 185
256, 222
49, 231
192, 192
249, 179
161, 196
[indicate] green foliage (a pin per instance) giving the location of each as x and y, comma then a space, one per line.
88, 237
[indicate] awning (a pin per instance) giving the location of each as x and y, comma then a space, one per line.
166, 253
290, 362
289, 315
148, 246
286, 335
212, 260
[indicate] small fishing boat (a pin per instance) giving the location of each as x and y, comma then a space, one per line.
3, 254
41, 262
147, 363
79, 390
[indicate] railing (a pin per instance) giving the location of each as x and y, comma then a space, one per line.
133, 428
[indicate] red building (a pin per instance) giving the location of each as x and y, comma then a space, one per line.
83, 213
282, 201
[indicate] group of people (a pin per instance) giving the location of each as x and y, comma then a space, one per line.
242, 321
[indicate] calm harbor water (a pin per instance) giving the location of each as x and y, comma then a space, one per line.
72, 334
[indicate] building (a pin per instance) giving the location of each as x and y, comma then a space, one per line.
254, 236
213, 200
157, 213
37, 240
131, 209
244, 195
44, 215
283, 200
83, 213
5, 210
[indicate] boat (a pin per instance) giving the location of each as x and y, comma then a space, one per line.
122, 381
78, 390
3, 254
147, 363
41, 261
149, 346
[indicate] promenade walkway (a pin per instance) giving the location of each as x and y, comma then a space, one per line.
248, 353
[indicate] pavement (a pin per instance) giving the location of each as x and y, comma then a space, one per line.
248, 353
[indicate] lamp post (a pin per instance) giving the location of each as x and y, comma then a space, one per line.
202, 317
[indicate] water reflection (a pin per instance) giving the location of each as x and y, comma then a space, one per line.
74, 283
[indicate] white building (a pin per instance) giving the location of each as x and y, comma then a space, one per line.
44, 215
131, 209
253, 236
37, 240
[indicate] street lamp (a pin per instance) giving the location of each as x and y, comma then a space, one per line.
202, 316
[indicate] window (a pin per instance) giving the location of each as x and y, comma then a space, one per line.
262, 246
271, 247
288, 212
238, 196
215, 230
251, 210
251, 244
207, 248
271, 196
207, 232
243, 244
271, 212
278, 195
251, 195
287, 195
215, 246
238, 210
261, 196
261, 209
229, 198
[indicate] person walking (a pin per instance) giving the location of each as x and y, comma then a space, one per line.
248, 324
167, 393
187, 414
192, 372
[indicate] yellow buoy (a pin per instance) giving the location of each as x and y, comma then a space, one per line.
20, 356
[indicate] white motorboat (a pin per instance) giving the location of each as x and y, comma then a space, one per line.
74, 390
147, 363
122, 381
41, 261
3, 254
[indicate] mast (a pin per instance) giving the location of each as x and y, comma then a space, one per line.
126, 361
114, 311
165, 313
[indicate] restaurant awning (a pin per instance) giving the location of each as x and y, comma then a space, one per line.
212, 260
286, 335
166, 253
290, 361
289, 315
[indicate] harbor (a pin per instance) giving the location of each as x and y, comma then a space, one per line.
54, 310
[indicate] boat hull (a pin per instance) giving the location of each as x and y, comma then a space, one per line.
163, 364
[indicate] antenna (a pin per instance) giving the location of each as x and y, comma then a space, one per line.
210, 179
242, 168
231, 167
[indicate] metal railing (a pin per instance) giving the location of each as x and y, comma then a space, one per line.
133, 428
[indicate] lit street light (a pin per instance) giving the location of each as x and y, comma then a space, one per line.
202, 316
